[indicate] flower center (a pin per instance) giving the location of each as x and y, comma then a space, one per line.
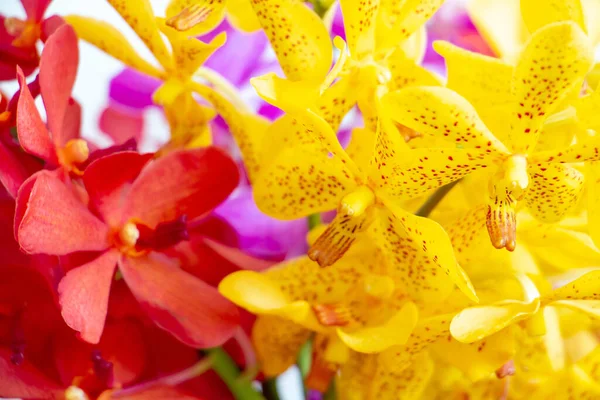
75, 152
135, 239
26, 32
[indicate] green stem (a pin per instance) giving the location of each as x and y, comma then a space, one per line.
330, 394
435, 199
269, 387
226, 368
314, 220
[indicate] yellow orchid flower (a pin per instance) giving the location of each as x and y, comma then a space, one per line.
506, 25
305, 171
552, 66
188, 119
385, 43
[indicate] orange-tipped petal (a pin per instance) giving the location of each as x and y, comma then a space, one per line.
171, 297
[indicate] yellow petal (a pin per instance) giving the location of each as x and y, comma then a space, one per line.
500, 24
195, 17
290, 96
355, 376
374, 339
416, 172
359, 24
475, 323
589, 307
277, 342
139, 16
299, 38
247, 129
553, 191
416, 45
590, 9
544, 77
397, 20
420, 253
587, 107
469, 236
190, 53
428, 330
539, 13
297, 176
479, 359
405, 72
336, 101
189, 120
441, 112
587, 287
484, 81
406, 385
361, 147
593, 176
111, 41
241, 15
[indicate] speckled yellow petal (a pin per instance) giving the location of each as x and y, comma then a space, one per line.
539, 13
139, 16
195, 17
420, 253
359, 23
189, 53
277, 342
589, 307
290, 96
586, 287
554, 189
397, 20
553, 63
336, 101
469, 236
409, 384
405, 72
500, 24
298, 178
416, 172
428, 330
587, 109
111, 41
260, 294
480, 359
375, 339
587, 150
475, 323
355, 376
443, 113
484, 81
299, 38
247, 129
361, 147
241, 15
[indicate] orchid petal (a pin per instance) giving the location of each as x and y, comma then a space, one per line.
553, 11
170, 296
195, 17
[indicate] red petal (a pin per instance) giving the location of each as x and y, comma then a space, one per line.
121, 124
187, 182
58, 68
71, 123
56, 222
35, 9
127, 356
84, 293
163, 393
50, 25
32, 132
109, 179
22, 199
188, 308
12, 172
24, 381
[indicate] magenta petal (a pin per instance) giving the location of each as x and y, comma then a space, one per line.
188, 308
133, 89
84, 293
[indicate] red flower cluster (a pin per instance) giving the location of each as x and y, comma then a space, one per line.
110, 257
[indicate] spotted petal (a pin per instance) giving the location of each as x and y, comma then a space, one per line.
539, 13
359, 25
553, 63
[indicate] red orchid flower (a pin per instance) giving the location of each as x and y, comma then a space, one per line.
137, 209
40, 358
18, 38
58, 144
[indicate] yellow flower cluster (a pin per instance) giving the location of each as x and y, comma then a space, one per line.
491, 289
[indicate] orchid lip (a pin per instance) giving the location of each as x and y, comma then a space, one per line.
103, 369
